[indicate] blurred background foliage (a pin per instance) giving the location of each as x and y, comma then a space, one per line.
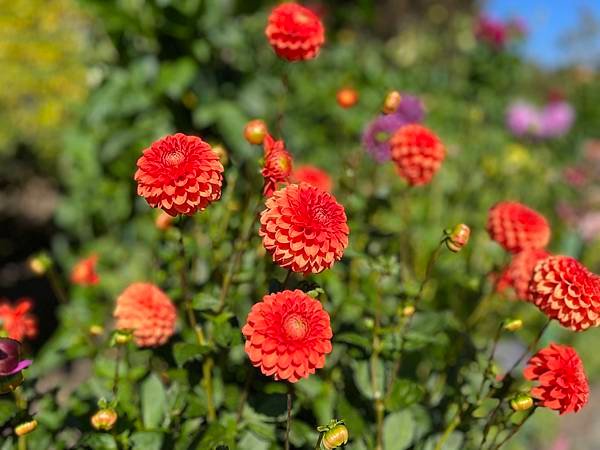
87, 85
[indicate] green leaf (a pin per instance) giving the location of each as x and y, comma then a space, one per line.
184, 352
486, 407
100, 441
7, 410
404, 393
354, 339
362, 377
250, 441
398, 430
154, 402
147, 440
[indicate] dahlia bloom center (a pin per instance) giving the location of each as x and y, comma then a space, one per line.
295, 327
173, 157
301, 18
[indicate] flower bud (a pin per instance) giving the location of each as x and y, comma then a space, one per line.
408, 310
96, 330
26, 428
104, 419
513, 324
163, 221
39, 264
347, 97
122, 337
221, 152
335, 437
391, 102
255, 131
521, 402
458, 237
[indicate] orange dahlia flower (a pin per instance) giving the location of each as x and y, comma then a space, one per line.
288, 335
519, 272
304, 228
566, 291
148, 312
278, 165
516, 227
180, 174
295, 32
563, 385
417, 152
17, 321
84, 272
313, 176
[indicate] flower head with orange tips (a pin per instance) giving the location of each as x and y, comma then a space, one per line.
562, 383
417, 152
180, 174
295, 32
148, 312
288, 335
304, 228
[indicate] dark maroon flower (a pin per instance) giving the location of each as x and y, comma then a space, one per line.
10, 357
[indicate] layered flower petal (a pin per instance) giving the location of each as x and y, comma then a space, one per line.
566, 291
148, 312
516, 227
304, 228
562, 383
278, 165
519, 272
180, 174
288, 335
295, 32
418, 153
313, 176
84, 272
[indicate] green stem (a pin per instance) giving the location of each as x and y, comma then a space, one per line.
490, 361
115, 388
22, 443
318, 445
378, 405
448, 431
289, 417
242, 243
515, 430
56, 285
406, 326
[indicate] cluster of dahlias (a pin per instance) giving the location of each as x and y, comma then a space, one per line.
561, 287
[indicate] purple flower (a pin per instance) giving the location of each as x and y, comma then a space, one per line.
10, 357
556, 119
378, 132
522, 118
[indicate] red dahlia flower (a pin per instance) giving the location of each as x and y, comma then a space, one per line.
519, 272
84, 272
304, 228
417, 152
563, 385
180, 174
295, 32
148, 312
278, 165
288, 335
313, 176
17, 321
566, 291
516, 227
